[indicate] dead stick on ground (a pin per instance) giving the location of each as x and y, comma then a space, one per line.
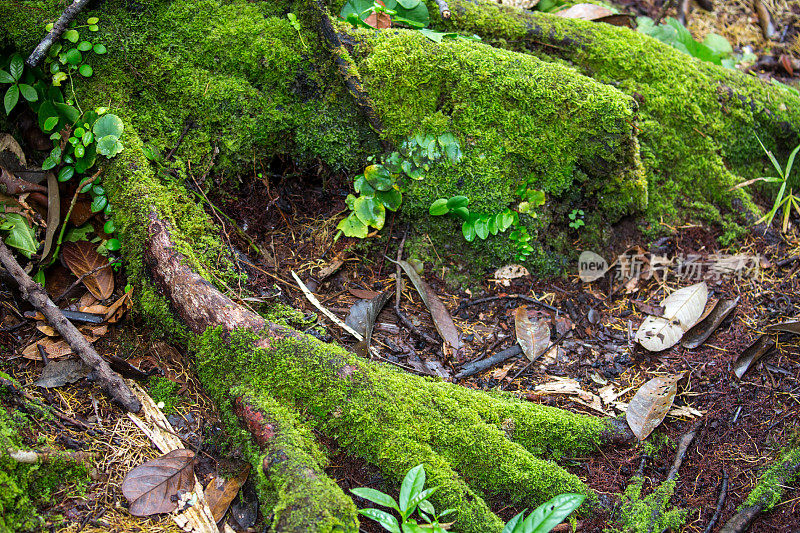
683, 447
444, 9
58, 28
723, 492
37, 296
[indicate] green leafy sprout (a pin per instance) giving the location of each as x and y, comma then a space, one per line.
20, 81
576, 218
783, 200
414, 497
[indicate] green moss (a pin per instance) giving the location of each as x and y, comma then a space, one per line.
770, 487
163, 390
27, 489
651, 513
397, 421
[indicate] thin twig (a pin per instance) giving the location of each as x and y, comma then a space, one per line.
523, 297
444, 9
78, 281
58, 28
723, 493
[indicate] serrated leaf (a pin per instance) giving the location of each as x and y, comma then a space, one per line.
651, 404
108, 125
682, 310
532, 338
153, 486
82, 258
108, 146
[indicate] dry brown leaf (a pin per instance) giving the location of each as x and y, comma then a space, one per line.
47, 330
82, 258
151, 486
651, 404
118, 309
441, 317
682, 310
221, 492
710, 321
379, 20
326, 271
752, 354
87, 299
532, 338
501, 373
9, 143
362, 294
56, 348
585, 12
95, 309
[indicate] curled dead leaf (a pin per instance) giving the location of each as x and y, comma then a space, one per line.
682, 310
533, 338
154, 486
82, 259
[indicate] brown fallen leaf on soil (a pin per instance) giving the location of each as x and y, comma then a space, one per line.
56, 348
682, 310
82, 258
719, 311
154, 486
532, 338
221, 492
362, 294
59, 373
10, 144
752, 354
441, 317
651, 404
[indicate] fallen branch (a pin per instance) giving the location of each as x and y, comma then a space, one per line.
37, 296
444, 9
58, 28
723, 493
470, 369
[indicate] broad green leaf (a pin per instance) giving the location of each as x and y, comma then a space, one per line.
439, 207
353, 227
98, 190
113, 245
85, 71
482, 227
71, 35
411, 486
108, 146
94, 27
50, 123
416, 499
376, 496
457, 201
70, 113
84, 46
87, 138
49, 163
357, 8
391, 200
87, 161
54, 67
370, 212
515, 524
11, 98
446, 139
494, 229
66, 173
435, 36
99, 203
387, 521
378, 177
453, 152
109, 227
408, 4
363, 187
73, 57
551, 513
80, 150
461, 212
28, 92
718, 44
16, 67
92, 20
99, 49
20, 235
79, 234
108, 125
5, 77
468, 230
504, 220
416, 17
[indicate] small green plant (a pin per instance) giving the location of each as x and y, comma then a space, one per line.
783, 200
296, 25
576, 219
381, 185
413, 497
64, 60
413, 13
545, 517
20, 81
714, 48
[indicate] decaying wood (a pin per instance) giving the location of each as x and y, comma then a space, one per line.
45, 456
37, 296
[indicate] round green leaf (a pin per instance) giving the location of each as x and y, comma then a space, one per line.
391, 200
461, 212
80, 150
92, 20
109, 227
439, 207
84, 46
468, 230
457, 201
66, 173
11, 98
28, 92
79, 132
87, 138
85, 70
370, 212
109, 146
108, 125
99, 203
49, 27
100, 49
378, 177
109, 210
361, 186
71, 35
94, 27
54, 67
353, 227
87, 161
73, 56
113, 245
408, 4
50, 123
98, 190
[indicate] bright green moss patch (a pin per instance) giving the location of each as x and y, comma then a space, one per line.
651, 513
396, 420
770, 487
163, 390
27, 489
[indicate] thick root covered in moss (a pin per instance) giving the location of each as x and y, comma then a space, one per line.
639, 514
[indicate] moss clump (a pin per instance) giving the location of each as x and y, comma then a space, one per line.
651, 513
769, 490
397, 421
163, 390
26, 489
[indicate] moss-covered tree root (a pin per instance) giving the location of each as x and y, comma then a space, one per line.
768, 492
475, 445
